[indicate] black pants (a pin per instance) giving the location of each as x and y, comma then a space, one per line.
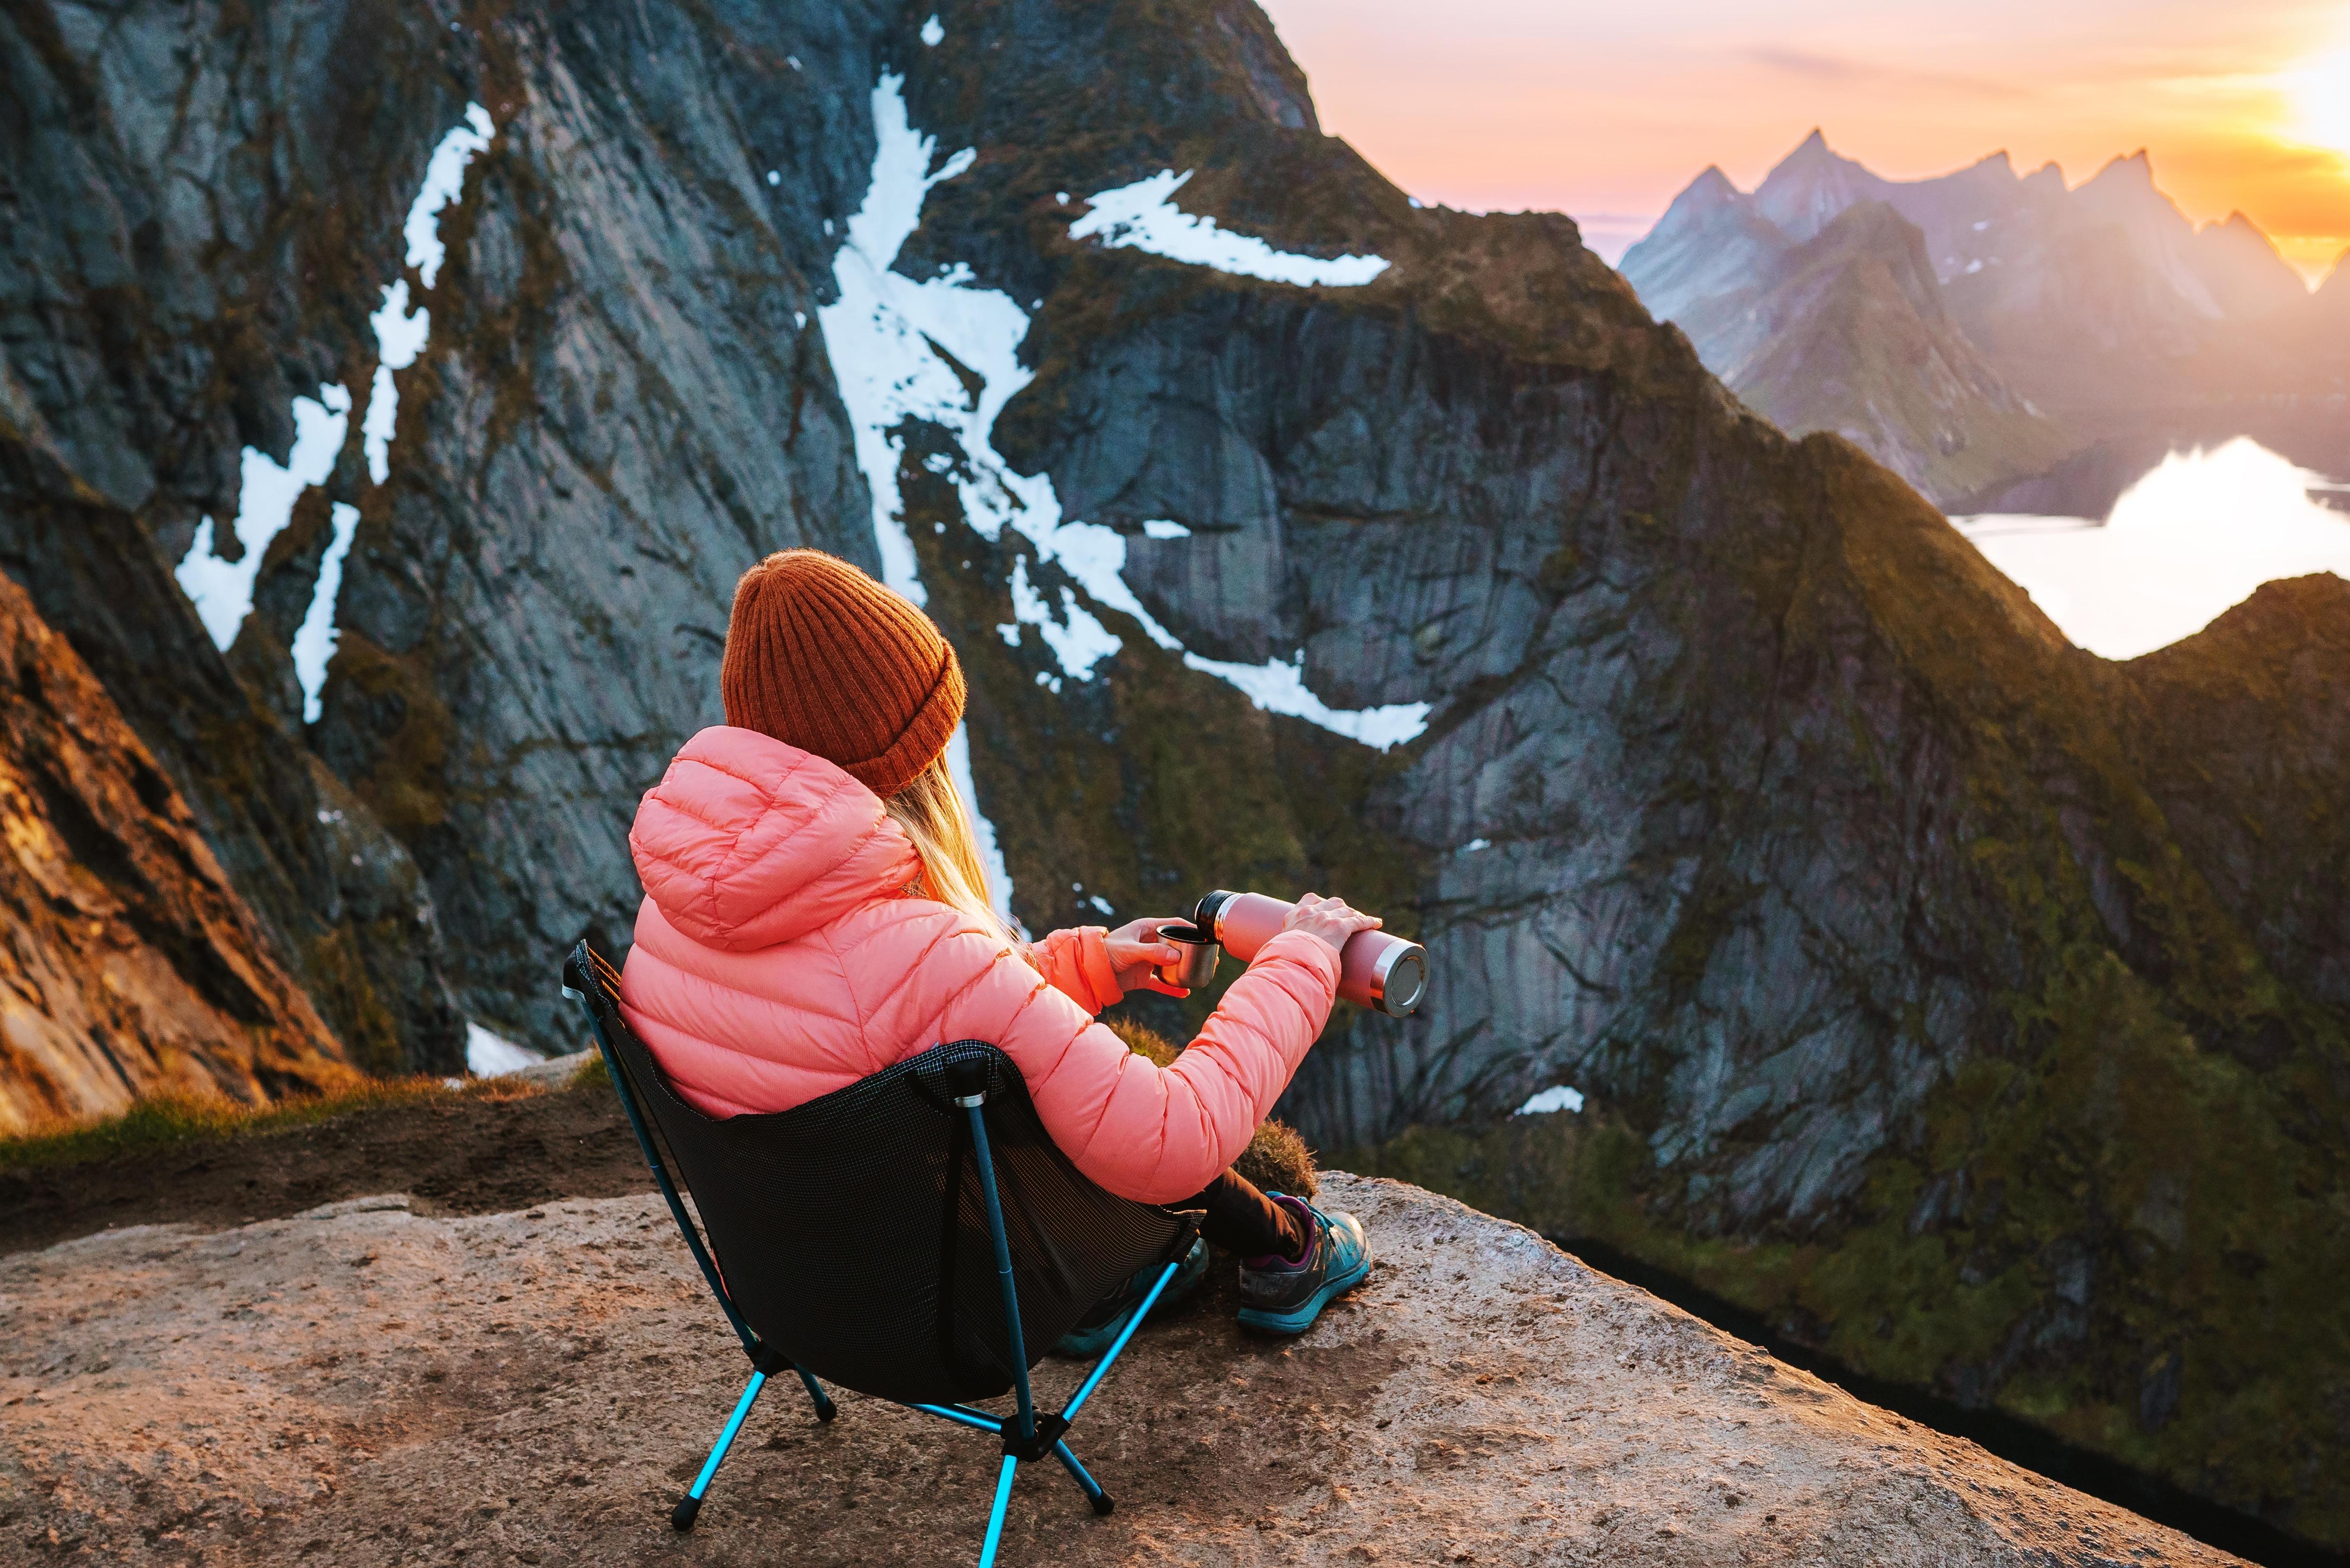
1244, 1221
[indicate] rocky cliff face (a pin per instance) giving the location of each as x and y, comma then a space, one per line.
131, 967
188, 242
625, 403
1331, 542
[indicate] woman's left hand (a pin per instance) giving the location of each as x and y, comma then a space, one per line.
1136, 953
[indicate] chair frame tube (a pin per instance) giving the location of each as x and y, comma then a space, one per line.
976, 1106
961, 1415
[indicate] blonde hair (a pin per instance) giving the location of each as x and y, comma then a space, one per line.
931, 811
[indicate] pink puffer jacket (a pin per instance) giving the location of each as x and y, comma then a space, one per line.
779, 957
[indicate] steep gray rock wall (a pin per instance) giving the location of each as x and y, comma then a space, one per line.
196, 197
626, 402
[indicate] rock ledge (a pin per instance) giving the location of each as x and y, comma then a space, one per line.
365, 1384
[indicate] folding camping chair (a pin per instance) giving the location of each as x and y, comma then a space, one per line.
916, 1236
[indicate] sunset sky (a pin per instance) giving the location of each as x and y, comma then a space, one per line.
1606, 110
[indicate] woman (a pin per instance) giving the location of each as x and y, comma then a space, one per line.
815, 910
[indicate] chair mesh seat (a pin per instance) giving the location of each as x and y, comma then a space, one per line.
851, 1232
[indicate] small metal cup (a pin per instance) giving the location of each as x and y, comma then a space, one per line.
1197, 967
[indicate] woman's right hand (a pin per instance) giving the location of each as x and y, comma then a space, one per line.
1330, 920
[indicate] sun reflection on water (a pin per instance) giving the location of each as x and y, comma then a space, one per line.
2191, 539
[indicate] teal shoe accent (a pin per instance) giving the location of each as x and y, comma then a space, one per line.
1099, 1327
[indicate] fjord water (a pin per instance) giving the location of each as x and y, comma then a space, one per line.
2193, 536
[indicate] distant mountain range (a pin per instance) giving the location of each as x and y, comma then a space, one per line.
1969, 330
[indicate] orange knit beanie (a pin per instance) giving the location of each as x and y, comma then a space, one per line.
822, 657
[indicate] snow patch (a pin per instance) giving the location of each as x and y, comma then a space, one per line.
223, 590
1101, 904
488, 1055
1473, 845
1076, 637
1164, 528
401, 334
316, 640
1558, 1097
1279, 688
1143, 215
444, 178
932, 34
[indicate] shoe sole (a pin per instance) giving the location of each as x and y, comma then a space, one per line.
1299, 1318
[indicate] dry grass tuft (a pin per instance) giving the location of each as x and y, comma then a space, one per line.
1278, 1160
1145, 1041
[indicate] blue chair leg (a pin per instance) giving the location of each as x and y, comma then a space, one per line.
1093, 1494
995, 1514
825, 1408
682, 1516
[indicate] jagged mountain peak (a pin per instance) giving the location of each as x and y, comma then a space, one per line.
1807, 188
1711, 184
2243, 268
2133, 169
1708, 238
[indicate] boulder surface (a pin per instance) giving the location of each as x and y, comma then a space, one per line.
369, 1383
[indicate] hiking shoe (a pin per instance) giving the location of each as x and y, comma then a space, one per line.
1283, 1297
1100, 1326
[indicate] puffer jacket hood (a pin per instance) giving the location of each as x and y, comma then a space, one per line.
748, 841
783, 952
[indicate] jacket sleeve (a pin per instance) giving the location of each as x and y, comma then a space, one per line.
1158, 1135
1076, 962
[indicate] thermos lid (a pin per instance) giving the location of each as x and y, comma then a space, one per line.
1211, 906
1402, 979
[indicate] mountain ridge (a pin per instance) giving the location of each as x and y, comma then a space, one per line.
2102, 308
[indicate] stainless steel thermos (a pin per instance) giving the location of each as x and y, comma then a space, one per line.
1385, 973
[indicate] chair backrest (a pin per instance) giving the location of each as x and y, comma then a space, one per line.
851, 1230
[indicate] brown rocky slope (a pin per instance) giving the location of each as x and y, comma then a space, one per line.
130, 965
364, 1384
